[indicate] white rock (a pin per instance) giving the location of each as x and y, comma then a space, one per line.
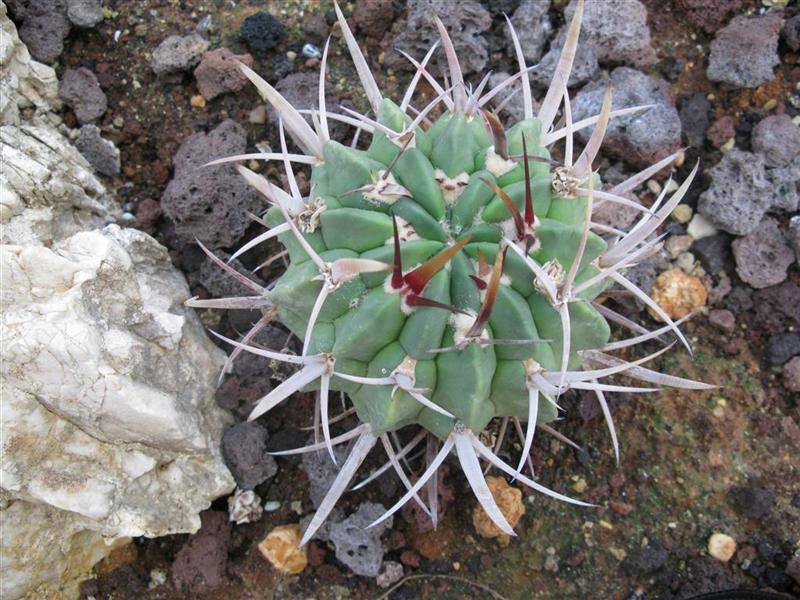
47, 189
721, 546
109, 424
700, 227
24, 82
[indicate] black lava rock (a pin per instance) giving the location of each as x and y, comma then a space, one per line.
262, 31
244, 447
646, 560
781, 347
713, 251
752, 501
694, 119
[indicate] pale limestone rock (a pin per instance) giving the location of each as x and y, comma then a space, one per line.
109, 425
47, 189
24, 82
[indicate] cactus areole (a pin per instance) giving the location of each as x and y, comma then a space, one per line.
443, 272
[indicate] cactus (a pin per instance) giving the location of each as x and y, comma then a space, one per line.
445, 276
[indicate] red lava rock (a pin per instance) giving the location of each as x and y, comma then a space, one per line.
746, 552
709, 15
200, 563
316, 554
617, 480
329, 574
576, 559
147, 213
777, 308
621, 508
410, 559
414, 515
316, 27
721, 130
734, 347
395, 540
218, 72
791, 375
722, 319
80, 90
373, 17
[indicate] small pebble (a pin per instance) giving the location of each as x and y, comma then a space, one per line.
509, 500
678, 294
311, 51
621, 508
721, 546
617, 553
258, 116
198, 101
700, 228
722, 319
682, 213
391, 573
281, 549
685, 261
272, 505
791, 375
678, 244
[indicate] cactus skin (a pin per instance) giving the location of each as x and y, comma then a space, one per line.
366, 324
444, 276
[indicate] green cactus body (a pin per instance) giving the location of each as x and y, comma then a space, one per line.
444, 272
371, 325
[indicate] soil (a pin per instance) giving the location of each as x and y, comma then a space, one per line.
692, 463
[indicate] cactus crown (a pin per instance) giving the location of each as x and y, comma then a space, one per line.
445, 276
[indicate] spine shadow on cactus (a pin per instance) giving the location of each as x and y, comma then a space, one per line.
447, 274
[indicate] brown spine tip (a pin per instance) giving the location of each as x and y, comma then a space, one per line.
498, 133
519, 222
491, 295
397, 273
416, 300
419, 277
529, 216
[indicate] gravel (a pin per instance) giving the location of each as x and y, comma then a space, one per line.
763, 256
745, 52
210, 204
262, 31
101, 153
641, 138
244, 447
618, 29
80, 90
777, 138
178, 53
